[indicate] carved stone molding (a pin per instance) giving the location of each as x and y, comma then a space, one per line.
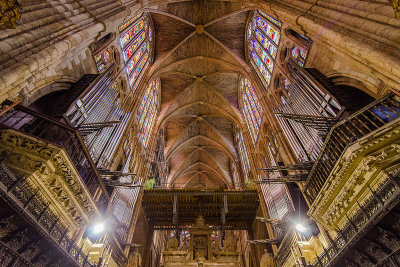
361, 166
48, 168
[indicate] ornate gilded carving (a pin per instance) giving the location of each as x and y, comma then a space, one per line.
7, 225
200, 222
58, 191
172, 244
135, 260
49, 169
40, 149
267, 260
200, 247
26, 163
396, 6
9, 13
229, 244
201, 250
358, 167
70, 177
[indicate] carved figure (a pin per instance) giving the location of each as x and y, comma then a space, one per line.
267, 260
7, 225
200, 222
135, 260
19, 239
172, 244
229, 244
184, 246
200, 253
200, 247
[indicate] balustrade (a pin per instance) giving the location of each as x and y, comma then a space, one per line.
50, 130
369, 119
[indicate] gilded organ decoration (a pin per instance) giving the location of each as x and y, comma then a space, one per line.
47, 169
267, 260
9, 13
360, 169
7, 226
200, 247
396, 6
201, 251
135, 259
172, 244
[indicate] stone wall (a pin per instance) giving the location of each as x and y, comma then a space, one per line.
51, 43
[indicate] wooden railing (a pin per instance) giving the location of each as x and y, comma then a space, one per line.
50, 130
344, 133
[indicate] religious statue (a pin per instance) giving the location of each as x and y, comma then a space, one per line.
7, 225
200, 222
135, 260
229, 244
200, 247
267, 260
172, 244
184, 246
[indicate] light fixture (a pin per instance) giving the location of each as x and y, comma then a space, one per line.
98, 228
301, 228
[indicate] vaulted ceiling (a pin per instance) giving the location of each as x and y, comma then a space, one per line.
200, 57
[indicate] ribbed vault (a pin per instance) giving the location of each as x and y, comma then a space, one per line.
200, 58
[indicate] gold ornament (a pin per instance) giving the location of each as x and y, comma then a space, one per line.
9, 13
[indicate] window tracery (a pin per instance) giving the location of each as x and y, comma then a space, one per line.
299, 55
300, 49
103, 59
135, 41
244, 159
263, 35
147, 111
252, 109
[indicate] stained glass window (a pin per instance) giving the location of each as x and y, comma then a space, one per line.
215, 234
273, 20
102, 60
263, 35
300, 49
286, 84
244, 158
185, 236
252, 109
147, 111
299, 55
135, 40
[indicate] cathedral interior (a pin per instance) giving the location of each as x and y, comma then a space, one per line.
200, 133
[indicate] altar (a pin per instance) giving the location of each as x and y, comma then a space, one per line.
201, 252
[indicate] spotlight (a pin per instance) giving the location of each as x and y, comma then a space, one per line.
98, 228
301, 228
